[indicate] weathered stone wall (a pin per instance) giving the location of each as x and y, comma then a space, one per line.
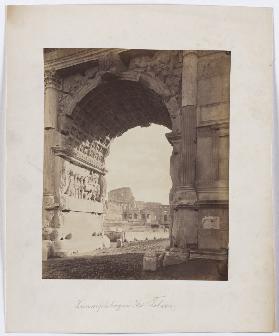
213, 149
199, 165
74, 184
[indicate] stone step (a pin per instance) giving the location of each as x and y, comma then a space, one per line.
208, 254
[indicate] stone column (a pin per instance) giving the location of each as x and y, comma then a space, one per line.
52, 84
184, 228
51, 134
189, 124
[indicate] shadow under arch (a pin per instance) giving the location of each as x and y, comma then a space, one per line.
115, 106
148, 81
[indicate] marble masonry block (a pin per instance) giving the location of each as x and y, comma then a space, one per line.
217, 63
82, 205
185, 196
210, 114
106, 242
175, 257
150, 262
213, 193
160, 259
79, 233
207, 254
118, 243
66, 248
63, 248
213, 239
81, 224
48, 201
185, 228
47, 249
213, 90
223, 268
44, 253
205, 168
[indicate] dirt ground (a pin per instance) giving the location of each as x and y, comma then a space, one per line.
126, 263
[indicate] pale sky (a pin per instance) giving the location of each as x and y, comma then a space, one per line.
140, 159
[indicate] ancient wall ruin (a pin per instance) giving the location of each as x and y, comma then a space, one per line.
124, 211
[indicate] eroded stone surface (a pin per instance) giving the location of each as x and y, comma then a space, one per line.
150, 262
175, 257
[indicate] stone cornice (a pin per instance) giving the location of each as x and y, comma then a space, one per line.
68, 154
208, 203
205, 53
80, 56
216, 125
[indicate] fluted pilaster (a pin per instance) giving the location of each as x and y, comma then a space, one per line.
188, 126
188, 145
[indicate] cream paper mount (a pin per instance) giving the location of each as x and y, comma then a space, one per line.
243, 303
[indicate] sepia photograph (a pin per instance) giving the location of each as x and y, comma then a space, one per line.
138, 168
136, 164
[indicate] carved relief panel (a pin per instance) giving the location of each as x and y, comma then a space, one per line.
79, 142
80, 183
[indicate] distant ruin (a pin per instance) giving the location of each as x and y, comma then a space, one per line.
123, 210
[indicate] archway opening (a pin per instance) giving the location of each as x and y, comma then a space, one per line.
138, 184
104, 114
140, 159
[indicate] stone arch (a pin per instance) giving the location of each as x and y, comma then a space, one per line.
193, 90
106, 108
111, 107
147, 80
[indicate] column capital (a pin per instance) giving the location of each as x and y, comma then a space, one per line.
184, 196
52, 80
52, 84
173, 138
